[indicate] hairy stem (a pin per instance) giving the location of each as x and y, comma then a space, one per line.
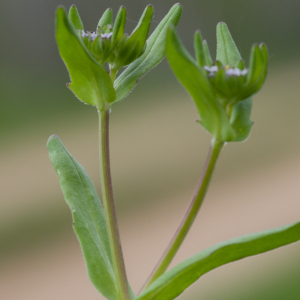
189, 215
109, 208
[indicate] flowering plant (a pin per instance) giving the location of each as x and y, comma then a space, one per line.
222, 93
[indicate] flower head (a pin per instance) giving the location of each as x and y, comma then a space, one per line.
86, 52
222, 89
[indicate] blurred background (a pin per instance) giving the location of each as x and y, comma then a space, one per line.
157, 153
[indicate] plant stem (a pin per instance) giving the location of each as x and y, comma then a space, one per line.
189, 215
109, 207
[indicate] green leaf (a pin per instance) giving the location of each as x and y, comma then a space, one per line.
199, 51
119, 26
153, 54
175, 281
88, 217
207, 57
135, 43
90, 82
240, 119
107, 18
75, 18
227, 51
258, 67
212, 115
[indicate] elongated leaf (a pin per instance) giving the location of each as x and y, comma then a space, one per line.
88, 217
135, 43
175, 281
90, 82
227, 51
119, 26
212, 115
199, 51
75, 18
207, 57
153, 54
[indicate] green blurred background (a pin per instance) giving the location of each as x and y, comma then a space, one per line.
157, 152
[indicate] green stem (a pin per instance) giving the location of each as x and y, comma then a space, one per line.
113, 74
190, 214
109, 208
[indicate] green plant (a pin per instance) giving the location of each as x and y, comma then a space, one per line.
222, 93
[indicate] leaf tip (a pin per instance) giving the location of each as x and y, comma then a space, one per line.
60, 10
222, 24
52, 139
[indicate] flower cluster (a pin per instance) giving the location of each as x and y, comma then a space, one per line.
222, 89
109, 43
86, 52
236, 83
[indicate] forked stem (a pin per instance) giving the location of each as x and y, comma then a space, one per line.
189, 215
109, 208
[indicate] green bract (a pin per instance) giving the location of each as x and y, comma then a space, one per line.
85, 53
222, 90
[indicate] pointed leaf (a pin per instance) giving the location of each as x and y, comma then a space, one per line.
240, 119
88, 216
175, 281
153, 54
207, 57
227, 51
107, 18
135, 43
119, 26
90, 82
199, 51
212, 115
75, 18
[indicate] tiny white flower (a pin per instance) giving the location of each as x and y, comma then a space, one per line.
106, 35
93, 35
86, 34
211, 70
236, 72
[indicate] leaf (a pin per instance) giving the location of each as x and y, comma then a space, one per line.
88, 217
135, 43
227, 51
258, 67
153, 54
240, 119
207, 57
75, 18
119, 26
212, 115
199, 51
175, 281
107, 18
90, 82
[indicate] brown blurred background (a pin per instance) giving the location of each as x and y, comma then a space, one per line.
157, 152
